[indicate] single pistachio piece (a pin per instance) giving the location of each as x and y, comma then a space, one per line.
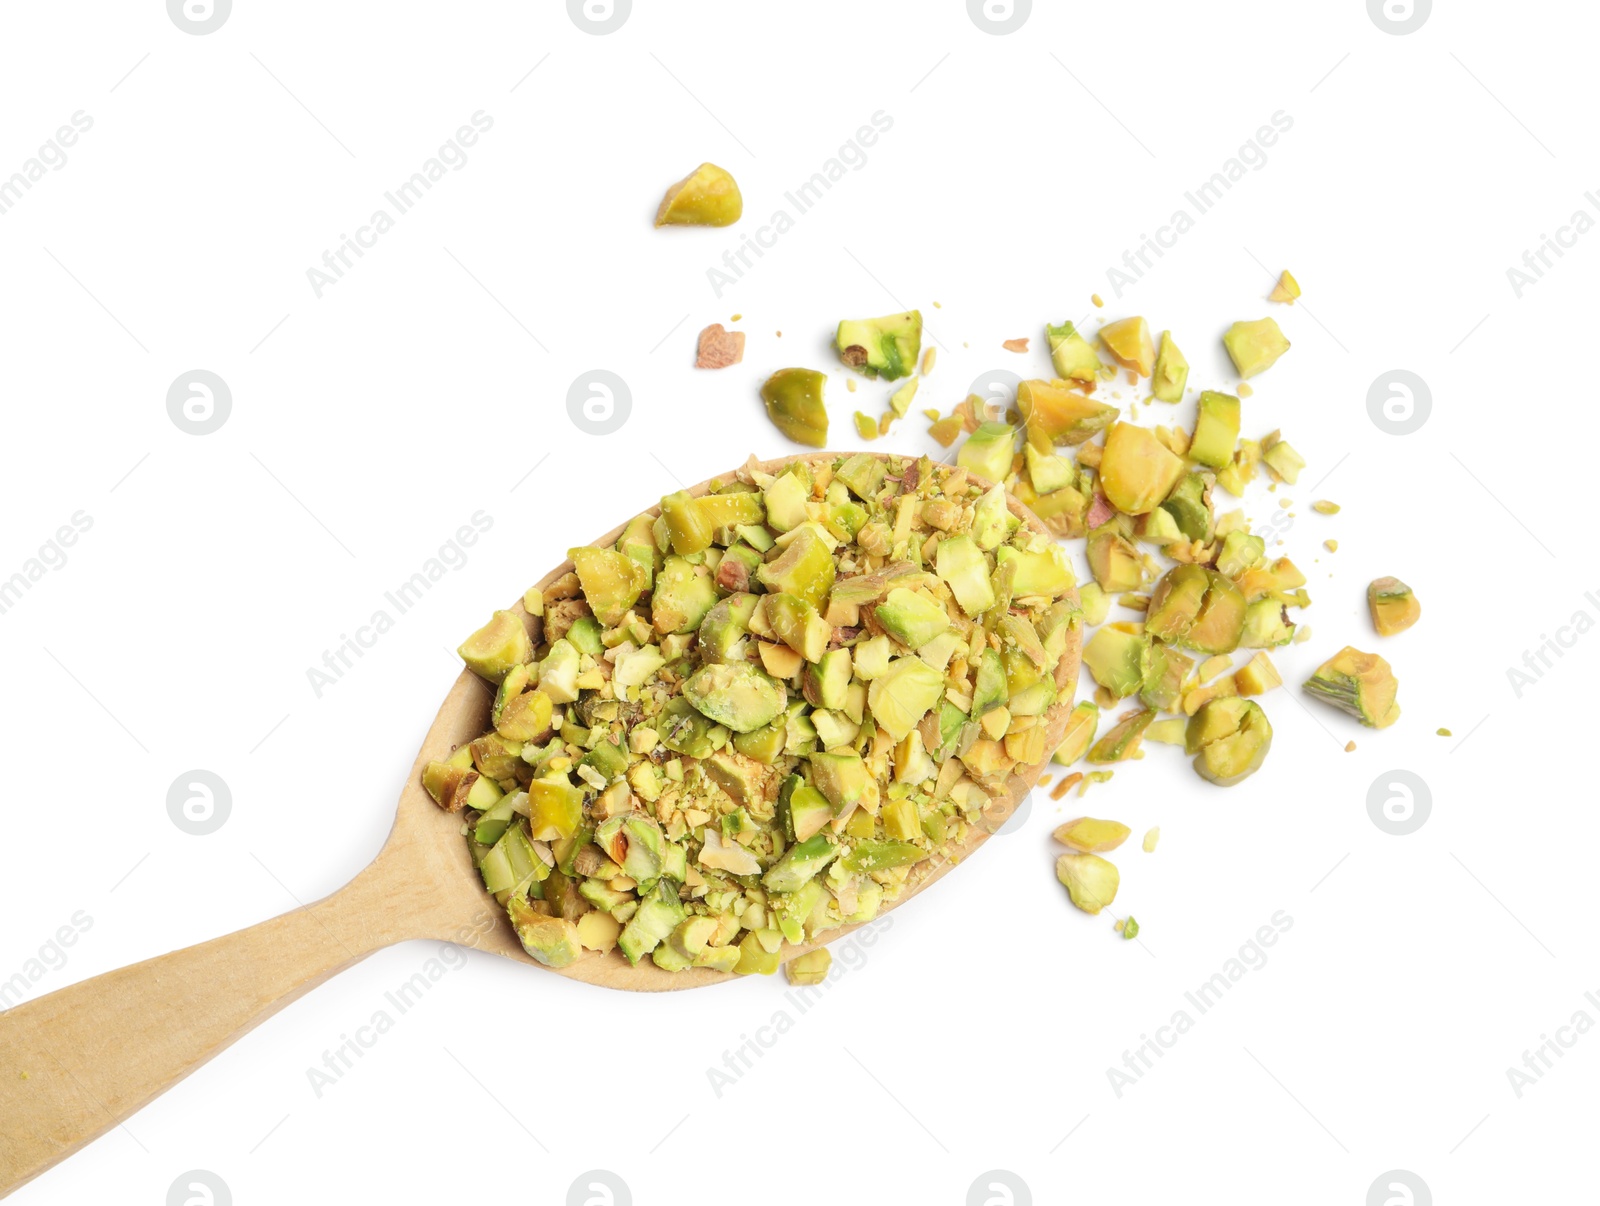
1286, 290
1121, 742
1113, 560
904, 694
989, 451
900, 401
809, 968
1055, 413
1230, 738
1128, 341
1137, 471
794, 404
1172, 372
1116, 660
737, 696
707, 196
1189, 505
1254, 347
866, 426
1216, 430
1072, 355
553, 941
1094, 602
1361, 684
1151, 837
1393, 606
1091, 882
1090, 836
1130, 928
1167, 732
1082, 722
612, 582
1323, 507
1257, 676
498, 646
885, 347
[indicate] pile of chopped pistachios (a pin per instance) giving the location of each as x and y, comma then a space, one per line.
763, 713
1129, 492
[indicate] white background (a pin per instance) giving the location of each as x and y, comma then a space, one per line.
431, 383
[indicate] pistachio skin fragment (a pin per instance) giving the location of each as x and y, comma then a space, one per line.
707, 196
1393, 606
1091, 882
794, 404
1361, 684
1230, 738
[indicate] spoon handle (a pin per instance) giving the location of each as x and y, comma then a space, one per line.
79, 1061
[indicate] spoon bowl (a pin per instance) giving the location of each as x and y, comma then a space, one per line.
79, 1061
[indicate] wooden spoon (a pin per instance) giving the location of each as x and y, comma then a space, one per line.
79, 1061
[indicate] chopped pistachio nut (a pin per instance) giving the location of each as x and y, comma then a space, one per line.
707, 196
1172, 371
1323, 507
1091, 882
1151, 838
1254, 347
1090, 836
1286, 290
1358, 683
811, 967
1129, 928
1230, 738
1393, 606
762, 716
866, 426
885, 348
1444, 733
794, 404
1128, 340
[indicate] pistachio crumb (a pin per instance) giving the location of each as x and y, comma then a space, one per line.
1094, 777
929, 358
850, 384
1095, 298
1323, 507
1331, 545
1446, 733
1151, 837
1245, 391
1015, 345
1351, 748
1129, 929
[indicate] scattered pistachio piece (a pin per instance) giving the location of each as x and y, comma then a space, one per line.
1090, 836
707, 196
809, 968
1015, 345
794, 404
1255, 346
1286, 290
1323, 507
1393, 606
1358, 683
1091, 882
1445, 733
1130, 928
1151, 837
719, 348
1331, 545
